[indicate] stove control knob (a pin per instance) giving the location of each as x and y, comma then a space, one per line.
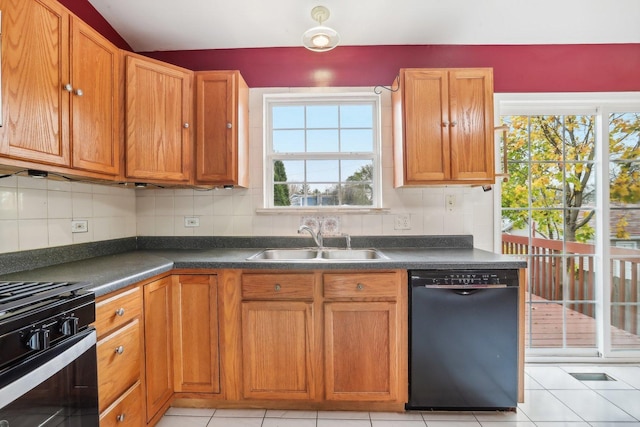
38, 339
69, 325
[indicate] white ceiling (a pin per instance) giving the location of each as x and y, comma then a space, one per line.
149, 25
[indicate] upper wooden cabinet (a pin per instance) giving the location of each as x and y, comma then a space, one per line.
443, 127
60, 90
158, 121
222, 136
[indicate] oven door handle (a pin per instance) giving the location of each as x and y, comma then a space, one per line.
17, 381
468, 288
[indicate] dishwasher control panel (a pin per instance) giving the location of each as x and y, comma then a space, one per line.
464, 277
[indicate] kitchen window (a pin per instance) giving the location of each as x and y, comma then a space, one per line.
322, 151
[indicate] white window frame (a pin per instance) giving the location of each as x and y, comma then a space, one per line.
270, 100
600, 104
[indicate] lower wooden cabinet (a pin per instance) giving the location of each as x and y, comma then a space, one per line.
362, 331
158, 345
126, 411
120, 358
195, 334
360, 350
277, 346
278, 336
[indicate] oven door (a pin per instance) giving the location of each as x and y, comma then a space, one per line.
57, 387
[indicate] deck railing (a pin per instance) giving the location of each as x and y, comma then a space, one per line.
555, 265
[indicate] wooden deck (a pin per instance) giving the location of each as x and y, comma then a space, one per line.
546, 328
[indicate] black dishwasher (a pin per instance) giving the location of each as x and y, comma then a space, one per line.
463, 349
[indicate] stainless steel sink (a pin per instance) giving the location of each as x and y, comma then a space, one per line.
284, 255
317, 255
352, 254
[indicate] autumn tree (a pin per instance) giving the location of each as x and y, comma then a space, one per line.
551, 163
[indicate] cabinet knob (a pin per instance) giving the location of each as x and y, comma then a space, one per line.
120, 349
68, 87
229, 125
120, 418
186, 125
359, 286
120, 312
79, 92
277, 287
445, 124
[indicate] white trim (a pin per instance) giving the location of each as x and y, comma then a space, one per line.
306, 98
599, 104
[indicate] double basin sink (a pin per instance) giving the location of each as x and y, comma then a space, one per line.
318, 254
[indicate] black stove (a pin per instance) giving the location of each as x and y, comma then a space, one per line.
36, 315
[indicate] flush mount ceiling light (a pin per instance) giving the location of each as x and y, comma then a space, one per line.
320, 38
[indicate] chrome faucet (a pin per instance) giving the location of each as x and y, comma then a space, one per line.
348, 240
317, 237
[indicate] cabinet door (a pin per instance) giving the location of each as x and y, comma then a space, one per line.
277, 347
95, 101
158, 344
158, 126
426, 114
222, 136
196, 361
472, 134
361, 351
35, 67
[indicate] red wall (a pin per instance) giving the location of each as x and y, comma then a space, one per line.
521, 68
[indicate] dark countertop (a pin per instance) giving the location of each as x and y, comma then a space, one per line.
108, 273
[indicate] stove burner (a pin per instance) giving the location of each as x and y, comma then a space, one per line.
15, 295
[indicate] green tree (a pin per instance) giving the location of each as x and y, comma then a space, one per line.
280, 191
553, 157
358, 190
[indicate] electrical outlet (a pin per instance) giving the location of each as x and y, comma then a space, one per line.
402, 222
450, 202
79, 226
191, 221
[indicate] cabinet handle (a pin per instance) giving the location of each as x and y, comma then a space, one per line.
79, 92
68, 87
120, 418
359, 286
229, 125
120, 312
445, 124
186, 125
453, 123
120, 349
277, 287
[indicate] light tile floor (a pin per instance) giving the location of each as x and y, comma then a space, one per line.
553, 398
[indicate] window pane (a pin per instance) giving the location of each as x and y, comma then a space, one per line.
356, 140
288, 171
323, 170
288, 141
357, 170
356, 116
288, 117
322, 116
624, 136
322, 141
546, 185
356, 194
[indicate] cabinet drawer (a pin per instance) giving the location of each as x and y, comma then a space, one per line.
115, 311
365, 285
126, 411
119, 362
277, 286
